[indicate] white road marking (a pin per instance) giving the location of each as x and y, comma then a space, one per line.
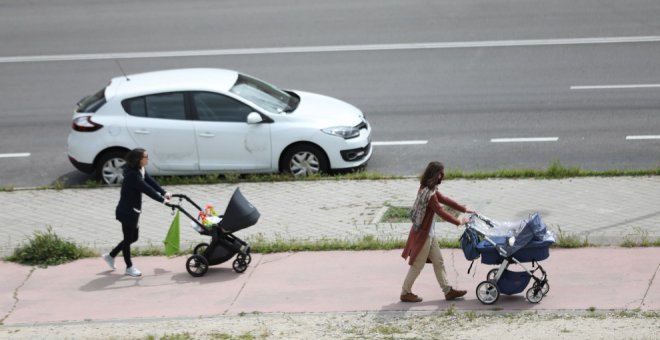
524, 140
642, 137
615, 87
12, 155
402, 142
331, 48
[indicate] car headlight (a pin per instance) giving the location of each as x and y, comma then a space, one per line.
346, 132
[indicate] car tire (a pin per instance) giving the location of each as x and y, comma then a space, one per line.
304, 160
109, 169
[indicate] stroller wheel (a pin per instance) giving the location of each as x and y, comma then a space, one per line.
491, 274
239, 265
200, 249
197, 265
534, 294
545, 288
245, 258
487, 292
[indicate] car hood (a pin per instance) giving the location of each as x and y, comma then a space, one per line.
326, 110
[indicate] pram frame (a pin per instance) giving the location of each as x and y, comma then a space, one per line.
197, 264
535, 294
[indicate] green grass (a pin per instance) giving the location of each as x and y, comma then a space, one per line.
639, 238
47, 249
554, 171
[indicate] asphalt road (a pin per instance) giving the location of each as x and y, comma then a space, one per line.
457, 79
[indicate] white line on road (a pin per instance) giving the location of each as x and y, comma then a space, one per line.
331, 48
615, 87
12, 155
642, 137
403, 142
524, 140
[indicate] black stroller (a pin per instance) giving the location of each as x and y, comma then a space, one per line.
224, 245
506, 243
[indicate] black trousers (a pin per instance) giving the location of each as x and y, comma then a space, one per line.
129, 226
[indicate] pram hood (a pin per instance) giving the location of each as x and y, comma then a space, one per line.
524, 231
239, 213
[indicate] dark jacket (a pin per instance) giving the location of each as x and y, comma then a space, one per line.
416, 239
130, 200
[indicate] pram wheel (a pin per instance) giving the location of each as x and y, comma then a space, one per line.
491, 274
200, 249
197, 265
245, 258
239, 265
545, 289
535, 294
487, 292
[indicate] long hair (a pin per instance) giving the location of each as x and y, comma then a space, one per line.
134, 157
430, 177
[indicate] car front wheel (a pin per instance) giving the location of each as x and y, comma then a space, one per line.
304, 160
110, 167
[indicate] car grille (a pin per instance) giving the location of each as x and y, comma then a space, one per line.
355, 154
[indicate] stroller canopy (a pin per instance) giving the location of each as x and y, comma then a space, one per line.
239, 213
523, 231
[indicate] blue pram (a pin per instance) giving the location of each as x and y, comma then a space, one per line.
506, 243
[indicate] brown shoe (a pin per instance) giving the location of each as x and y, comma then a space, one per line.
452, 294
410, 297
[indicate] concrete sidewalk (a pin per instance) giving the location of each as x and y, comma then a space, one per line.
604, 278
606, 211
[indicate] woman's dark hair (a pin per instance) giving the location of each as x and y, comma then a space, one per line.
134, 157
430, 177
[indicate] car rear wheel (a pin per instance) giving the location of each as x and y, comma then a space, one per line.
304, 160
110, 167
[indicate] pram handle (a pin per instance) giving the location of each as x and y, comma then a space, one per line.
483, 218
182, 197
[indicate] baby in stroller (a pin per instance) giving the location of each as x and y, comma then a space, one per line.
506, 243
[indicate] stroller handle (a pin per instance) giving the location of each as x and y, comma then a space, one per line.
178, 206
488, 221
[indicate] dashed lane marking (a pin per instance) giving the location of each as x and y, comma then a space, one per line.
14, 155
524, 140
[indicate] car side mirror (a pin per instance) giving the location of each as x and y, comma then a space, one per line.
254, 118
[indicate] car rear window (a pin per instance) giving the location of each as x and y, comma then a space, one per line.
92, 103
162, 105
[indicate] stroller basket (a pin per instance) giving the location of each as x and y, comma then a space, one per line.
513, 282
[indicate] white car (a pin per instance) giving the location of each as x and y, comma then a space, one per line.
199, 121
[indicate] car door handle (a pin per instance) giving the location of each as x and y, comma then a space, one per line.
207, 134
142, 132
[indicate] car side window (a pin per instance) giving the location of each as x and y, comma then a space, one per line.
216, 107
163, 105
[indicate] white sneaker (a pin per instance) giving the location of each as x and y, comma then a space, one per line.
109, 260
132, 271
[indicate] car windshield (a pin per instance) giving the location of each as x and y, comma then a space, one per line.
267, 96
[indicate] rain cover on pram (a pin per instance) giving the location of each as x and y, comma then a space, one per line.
522, 233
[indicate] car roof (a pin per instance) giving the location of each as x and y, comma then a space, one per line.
189, 79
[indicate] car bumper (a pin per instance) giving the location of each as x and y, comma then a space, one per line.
84, 167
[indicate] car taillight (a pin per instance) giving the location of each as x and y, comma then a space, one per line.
85, 124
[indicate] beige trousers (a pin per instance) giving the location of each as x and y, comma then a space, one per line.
431, 250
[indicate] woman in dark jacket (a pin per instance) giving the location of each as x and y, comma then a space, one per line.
136, 182
422, 246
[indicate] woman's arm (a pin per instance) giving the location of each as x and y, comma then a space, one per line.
144, 187
152, 182
435, 205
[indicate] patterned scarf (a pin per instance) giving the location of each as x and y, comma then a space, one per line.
419, 207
